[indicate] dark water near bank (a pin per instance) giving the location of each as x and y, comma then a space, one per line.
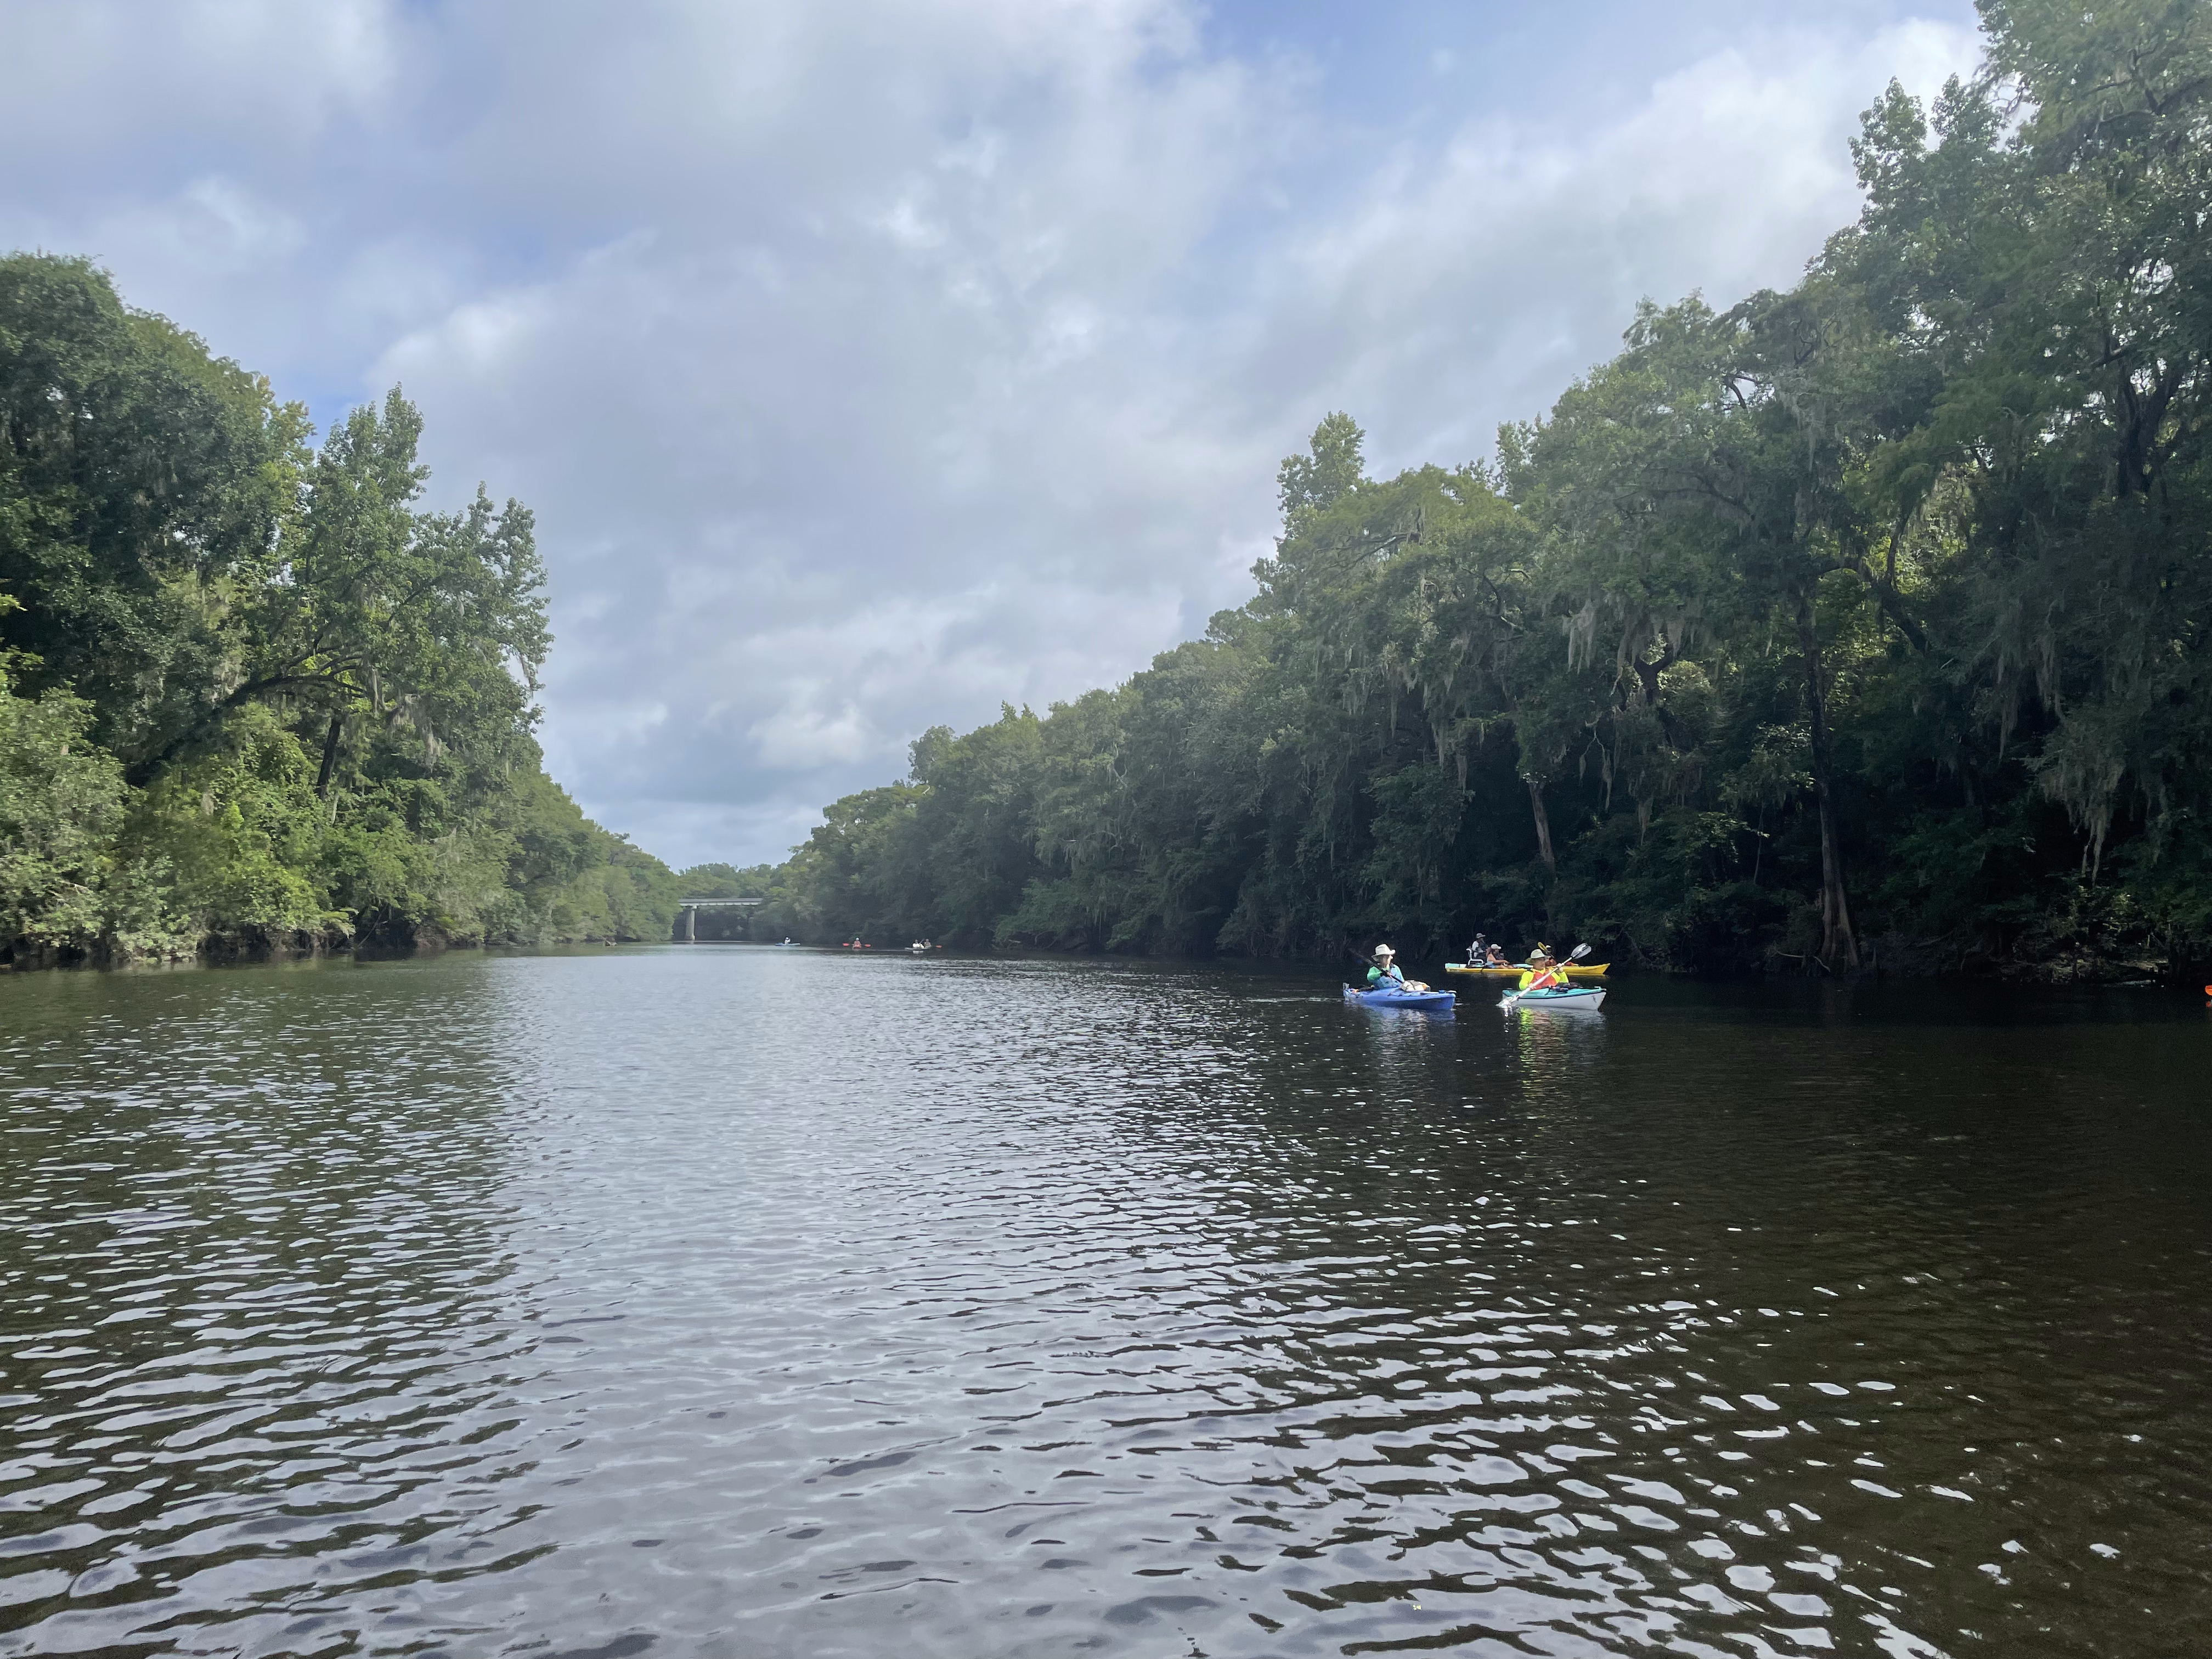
762, 1304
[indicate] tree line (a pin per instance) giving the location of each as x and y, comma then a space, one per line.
1867, 623
253, 694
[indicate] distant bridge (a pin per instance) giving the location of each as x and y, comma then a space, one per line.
691, 908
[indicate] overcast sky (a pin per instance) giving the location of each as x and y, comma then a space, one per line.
871, 363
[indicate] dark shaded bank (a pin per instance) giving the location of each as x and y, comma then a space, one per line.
1866, 626
2153, 985
254, 701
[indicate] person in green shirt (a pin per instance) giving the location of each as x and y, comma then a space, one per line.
1384, 975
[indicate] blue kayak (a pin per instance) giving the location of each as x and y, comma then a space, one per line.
1434, 1001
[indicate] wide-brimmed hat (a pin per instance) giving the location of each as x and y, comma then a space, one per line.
1384, 950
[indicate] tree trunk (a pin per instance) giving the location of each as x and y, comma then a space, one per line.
1837, 939
1543, 825
329, 757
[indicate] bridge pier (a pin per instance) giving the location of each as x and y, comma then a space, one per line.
691, 908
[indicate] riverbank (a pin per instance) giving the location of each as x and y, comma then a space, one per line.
1925, 966
255, 946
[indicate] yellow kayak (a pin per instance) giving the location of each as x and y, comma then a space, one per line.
1575, 971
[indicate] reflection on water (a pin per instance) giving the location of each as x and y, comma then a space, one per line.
749, 1303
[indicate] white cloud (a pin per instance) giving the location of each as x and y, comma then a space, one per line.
1468, 285
96, 81
803, 739
217, 227
870, 365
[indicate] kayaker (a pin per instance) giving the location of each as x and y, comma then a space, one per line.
1542, 972
1496, 957
1478, 952
1384, 975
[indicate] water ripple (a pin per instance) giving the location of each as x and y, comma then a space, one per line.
731, 1302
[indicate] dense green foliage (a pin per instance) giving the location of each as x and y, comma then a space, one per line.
251, 694
1868, 621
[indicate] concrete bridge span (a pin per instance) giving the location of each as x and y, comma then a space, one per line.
692, 907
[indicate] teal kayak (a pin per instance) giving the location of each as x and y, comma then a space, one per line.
1561, 997
1434, 1001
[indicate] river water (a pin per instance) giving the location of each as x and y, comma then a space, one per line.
782, 1304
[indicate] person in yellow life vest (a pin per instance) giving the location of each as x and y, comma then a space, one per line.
1542, 973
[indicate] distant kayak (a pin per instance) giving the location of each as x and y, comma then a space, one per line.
1434, 1001
1564, 998
1574, 969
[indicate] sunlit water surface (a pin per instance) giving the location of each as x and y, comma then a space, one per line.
732, 1301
